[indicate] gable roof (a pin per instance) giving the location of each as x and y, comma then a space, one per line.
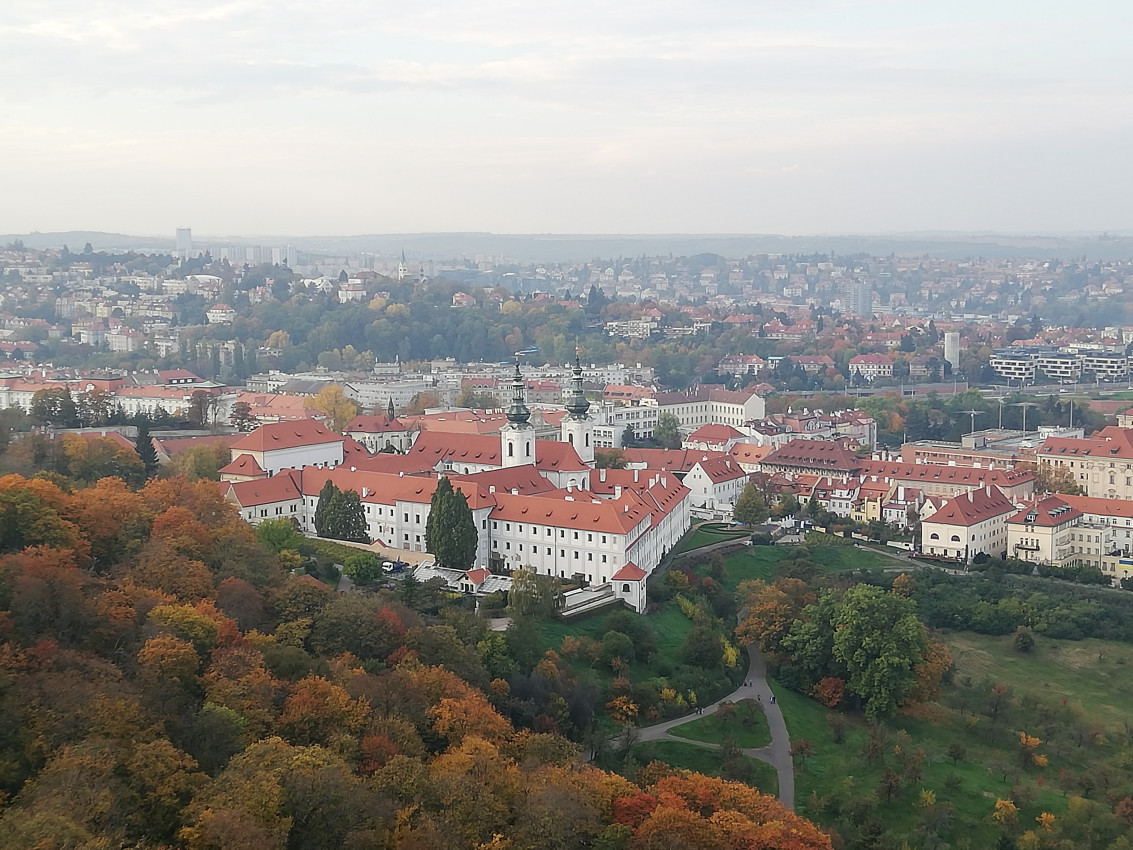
282, 487
630, 572
818, 455
974, 507
674, 460
1050, 512
244, 464
714, 433
286, 435
721, 469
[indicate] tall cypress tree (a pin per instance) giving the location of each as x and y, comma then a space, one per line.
324, 511
143, 445
350, 518
450, 533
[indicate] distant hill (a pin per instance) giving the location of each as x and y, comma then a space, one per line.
554, 248
76, 239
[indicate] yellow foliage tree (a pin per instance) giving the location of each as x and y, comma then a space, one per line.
335, 406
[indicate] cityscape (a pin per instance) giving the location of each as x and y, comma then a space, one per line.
569, 426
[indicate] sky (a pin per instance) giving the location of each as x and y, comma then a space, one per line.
276, 117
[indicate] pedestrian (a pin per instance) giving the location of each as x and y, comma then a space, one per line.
759, 697
773, 699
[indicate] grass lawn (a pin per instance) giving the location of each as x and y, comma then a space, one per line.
1058, 692
843, 770
713, 532
749, 728
703, 760
1093, 674
759, 562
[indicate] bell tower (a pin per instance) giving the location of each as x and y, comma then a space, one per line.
517, 437
577, 428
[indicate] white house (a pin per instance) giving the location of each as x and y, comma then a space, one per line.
967, 525
289, 445
715, 485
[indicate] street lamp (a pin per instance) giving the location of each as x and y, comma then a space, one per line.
1025, 405
973, 414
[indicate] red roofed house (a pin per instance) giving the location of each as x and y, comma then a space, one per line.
713, 438
871, 366
967, 525
380, 433
1101, 465
290, 445
268, 498
1044, 533
825, 457
715, 486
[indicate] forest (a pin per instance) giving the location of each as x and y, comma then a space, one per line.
167, 680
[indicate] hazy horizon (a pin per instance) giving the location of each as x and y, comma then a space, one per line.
831, 117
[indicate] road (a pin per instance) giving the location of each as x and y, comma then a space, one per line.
777, 754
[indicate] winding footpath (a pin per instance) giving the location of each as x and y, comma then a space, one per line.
777, 754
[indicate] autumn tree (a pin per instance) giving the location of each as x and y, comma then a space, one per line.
751, 507
421, 402
771, 610
334, 405
1053, 479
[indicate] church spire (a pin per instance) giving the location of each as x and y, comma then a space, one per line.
518, 412
576, 403
389, 410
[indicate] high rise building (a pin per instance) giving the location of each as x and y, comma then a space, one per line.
184, 242
952, 349
859, 299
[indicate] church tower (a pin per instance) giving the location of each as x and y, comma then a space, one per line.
517, 437
577, 428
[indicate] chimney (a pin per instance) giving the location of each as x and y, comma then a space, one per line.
602, 475
401, 474
353, 469
665, 481
617, 491
491, 488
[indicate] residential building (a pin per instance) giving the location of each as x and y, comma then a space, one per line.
968, 525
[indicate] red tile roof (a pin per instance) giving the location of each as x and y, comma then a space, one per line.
286, 435
715, 433
974, 507
244, 464
282, 487
374, 424
721, 469
1050, 511
675, 460
816, 455
630, 572
929, 472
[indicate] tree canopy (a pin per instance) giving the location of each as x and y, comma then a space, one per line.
450, 531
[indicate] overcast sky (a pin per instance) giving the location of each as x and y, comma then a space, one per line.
569, 116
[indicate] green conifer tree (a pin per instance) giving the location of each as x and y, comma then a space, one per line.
143, 445
450, 532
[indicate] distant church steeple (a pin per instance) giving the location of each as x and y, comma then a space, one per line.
518, 412
577, 428
517, 437
389, 410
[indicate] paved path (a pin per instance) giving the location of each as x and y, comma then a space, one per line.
777, 754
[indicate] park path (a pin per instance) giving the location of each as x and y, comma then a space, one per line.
777, 753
